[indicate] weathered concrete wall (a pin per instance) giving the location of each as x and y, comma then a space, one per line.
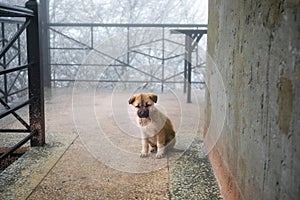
256, 46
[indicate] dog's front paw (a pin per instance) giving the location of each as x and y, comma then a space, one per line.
160, 155
143, 155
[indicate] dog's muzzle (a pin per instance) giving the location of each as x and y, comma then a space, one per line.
143, 113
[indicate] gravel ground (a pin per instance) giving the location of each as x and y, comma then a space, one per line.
191, 176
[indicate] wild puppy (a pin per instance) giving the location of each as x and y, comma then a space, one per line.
157, 129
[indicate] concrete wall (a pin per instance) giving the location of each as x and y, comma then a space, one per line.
256, 47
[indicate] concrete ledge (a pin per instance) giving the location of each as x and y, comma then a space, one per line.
227, 183
20, 179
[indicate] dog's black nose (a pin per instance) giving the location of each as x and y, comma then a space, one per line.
143, 113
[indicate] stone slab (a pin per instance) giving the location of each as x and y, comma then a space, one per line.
20, 179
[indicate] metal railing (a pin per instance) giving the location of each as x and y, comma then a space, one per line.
26, 20
127, 63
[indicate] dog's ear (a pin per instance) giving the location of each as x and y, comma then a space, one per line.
153, 97
131, 99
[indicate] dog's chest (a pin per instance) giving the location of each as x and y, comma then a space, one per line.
152, 126
150, 130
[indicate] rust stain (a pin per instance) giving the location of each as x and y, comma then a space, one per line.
285, 104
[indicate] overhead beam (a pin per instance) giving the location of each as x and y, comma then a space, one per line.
128, 25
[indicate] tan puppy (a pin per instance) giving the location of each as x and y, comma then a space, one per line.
157, 129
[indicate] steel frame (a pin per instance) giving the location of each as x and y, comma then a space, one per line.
35, 101
192, 37
189, 30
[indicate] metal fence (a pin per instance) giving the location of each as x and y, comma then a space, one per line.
170, 49
21, 73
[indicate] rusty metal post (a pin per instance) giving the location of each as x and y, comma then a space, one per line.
163, 61
35, 78
189, 67
185, 65
45, 41
128, 47
4, 63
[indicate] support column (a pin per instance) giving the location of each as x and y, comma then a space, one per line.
185, 65
189, 49
4, 64
44, 41
35, 78
192, 37
163, 61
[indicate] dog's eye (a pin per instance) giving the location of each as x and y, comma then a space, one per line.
147, 105
137, 106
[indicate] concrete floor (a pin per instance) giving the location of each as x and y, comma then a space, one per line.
94, 146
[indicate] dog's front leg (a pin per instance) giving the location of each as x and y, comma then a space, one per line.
145, 146
160, 146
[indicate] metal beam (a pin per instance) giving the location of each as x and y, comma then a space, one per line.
7, 10
163, 60
45, 42
15, 114
189, 31
122, 81
188, 49
13, 69
128, 25
14, 38
18, 145
11, 110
